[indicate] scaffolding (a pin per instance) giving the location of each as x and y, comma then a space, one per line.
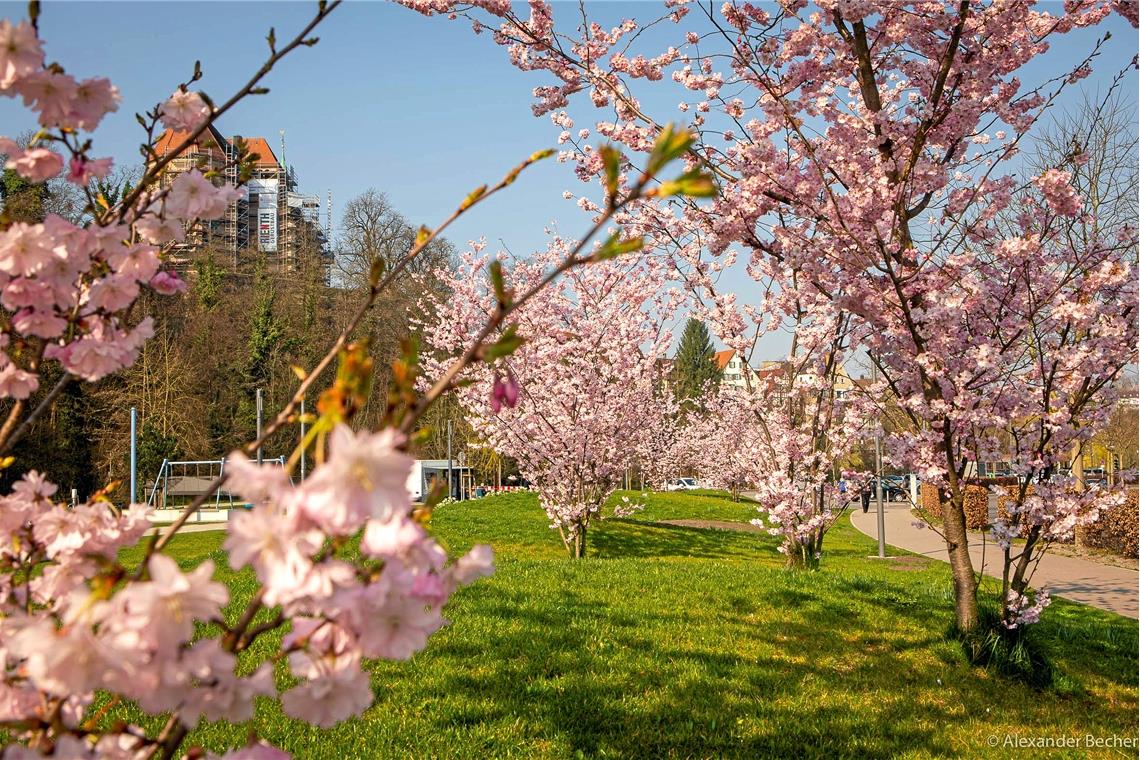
296, 217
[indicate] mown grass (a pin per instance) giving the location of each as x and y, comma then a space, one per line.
683, 642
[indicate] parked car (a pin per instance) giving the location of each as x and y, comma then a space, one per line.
682, 484
895, 488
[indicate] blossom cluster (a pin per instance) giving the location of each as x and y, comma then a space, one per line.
1022, 609
67, 286
70, 632
384, 606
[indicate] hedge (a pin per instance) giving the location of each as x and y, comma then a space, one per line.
931, 504
976, 505
1117, 528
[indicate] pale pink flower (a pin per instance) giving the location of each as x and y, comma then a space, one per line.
337, 690
24, 249
269, 538
184, 110
138, 262
1055, 186
62, 662
256, 483
192, 196
256, 751
167, 283
50, 94
391, 538
17, 383
400, 627
222, 695
112, 293
42, 324
122, 746
34, 486
94, 99
365, 476
475, 564
158, 231
36, 164
165, 608
20, 52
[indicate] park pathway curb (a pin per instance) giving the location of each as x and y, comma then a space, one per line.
1079, 580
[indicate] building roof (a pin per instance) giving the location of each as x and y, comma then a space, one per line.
212, 139
722, 358
171, 139
265, 155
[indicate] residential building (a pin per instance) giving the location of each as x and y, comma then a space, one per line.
732, 368
272, 219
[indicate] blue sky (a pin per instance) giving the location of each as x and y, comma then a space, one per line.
418, 108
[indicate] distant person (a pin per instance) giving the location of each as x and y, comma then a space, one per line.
866, 497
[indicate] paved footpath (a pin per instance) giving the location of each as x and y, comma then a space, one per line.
189, 528
1079, 580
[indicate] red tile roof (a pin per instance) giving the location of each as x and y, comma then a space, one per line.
722, 358
260, 146
171, 139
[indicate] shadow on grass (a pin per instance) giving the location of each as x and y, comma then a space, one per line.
625, 538
721, 683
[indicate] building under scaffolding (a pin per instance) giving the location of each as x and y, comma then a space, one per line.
272, 218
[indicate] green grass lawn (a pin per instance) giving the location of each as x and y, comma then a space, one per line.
689, 643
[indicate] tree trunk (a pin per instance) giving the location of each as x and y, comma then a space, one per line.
579, 551
962, 568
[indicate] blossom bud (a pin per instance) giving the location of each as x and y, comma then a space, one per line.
511, 390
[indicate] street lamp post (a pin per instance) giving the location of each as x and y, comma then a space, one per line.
881, 513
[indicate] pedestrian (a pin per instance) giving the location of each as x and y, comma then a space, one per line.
866, 496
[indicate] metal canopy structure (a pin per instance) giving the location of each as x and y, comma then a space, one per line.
180, 482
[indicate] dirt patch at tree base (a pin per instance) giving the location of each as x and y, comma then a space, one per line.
910, 563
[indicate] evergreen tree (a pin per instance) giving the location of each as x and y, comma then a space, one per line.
693, 366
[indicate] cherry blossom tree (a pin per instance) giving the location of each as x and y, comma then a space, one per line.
873, 149
581, 400
784, 433
74, 619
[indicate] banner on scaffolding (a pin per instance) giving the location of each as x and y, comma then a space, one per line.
265, 190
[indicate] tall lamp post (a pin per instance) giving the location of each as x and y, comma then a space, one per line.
881, 512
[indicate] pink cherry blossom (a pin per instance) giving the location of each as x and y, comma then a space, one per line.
185, 110
365, 477
167, 283
192, 196
82, 171
52, 95
94, 99
335, 690
20, 52
36, 164
17, 383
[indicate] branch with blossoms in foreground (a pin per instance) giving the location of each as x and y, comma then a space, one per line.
69, 107
74, 619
